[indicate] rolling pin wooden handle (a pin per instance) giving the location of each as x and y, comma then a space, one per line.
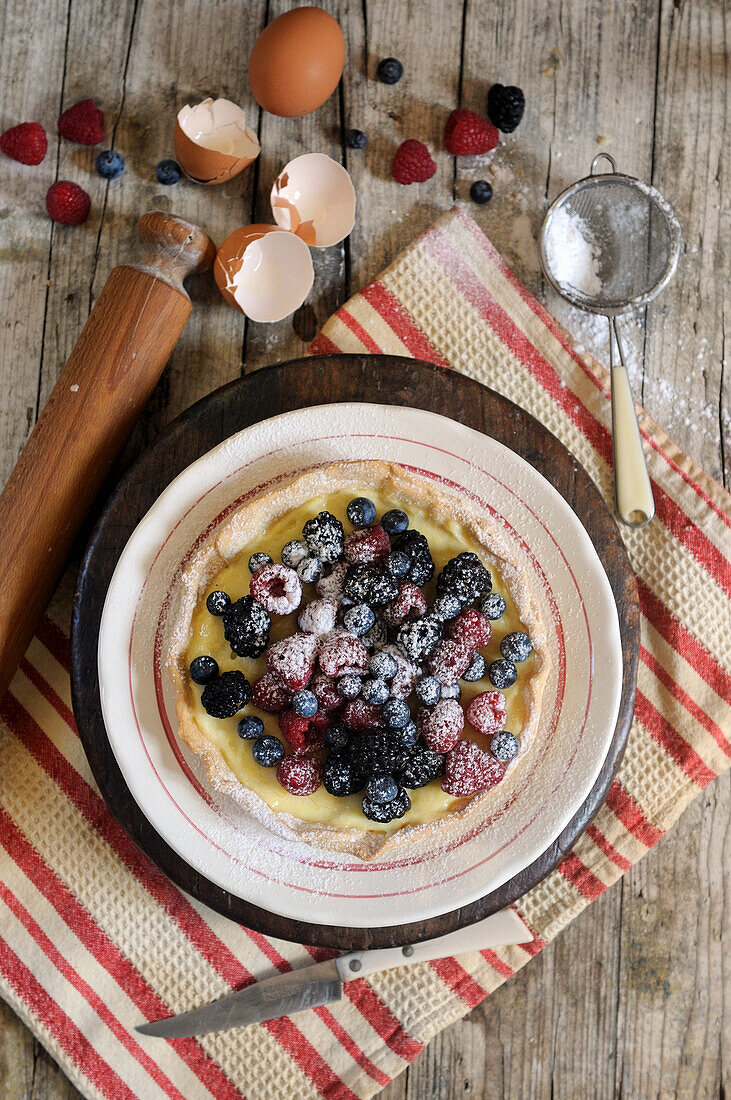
109, 377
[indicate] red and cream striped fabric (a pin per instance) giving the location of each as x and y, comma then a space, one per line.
93, 938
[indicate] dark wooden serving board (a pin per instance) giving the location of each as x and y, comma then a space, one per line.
294, 385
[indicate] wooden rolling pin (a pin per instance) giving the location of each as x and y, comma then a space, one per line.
111, 373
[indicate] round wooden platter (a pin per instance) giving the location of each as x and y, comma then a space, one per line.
278, 389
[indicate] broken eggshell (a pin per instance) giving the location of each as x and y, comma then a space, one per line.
264, 271
212, 141
313, 197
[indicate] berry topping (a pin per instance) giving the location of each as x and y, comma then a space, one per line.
301, 775
481, 191
296, 730
423, 766
304, 703
428, 690
405, 736
82, 123
449, 661
319, 617
331, 586
471, 628
339, 778
502, 674
246, 627
293, 552
258, 561
369, 583
326, 692
203, 670
396, 713
390, 70
415, 545
359, 715
218, 602
516, 646
26, 143
467, 134
381, 788
324, 537
367, 544
487, 713
407, 673
412, 163
398, 564
387, 811
469, 770
270, 694
110, 164
383, 666
475, 669
493, 605
337, 736
446, 607
342, 653
67, 203
361, 512
394, 522
375, 691
277, 588
442, 726
377, 636
267, 751
409, 604
504, 746
464, 577
309, 569
250, 727
227, 695
420, 638
293, 659
168, 172
349, 687
377, 751
505, 106
356, 139
359, 619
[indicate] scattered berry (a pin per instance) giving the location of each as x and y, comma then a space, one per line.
421, 768
468, 770
293, 659
339, 778
326, 692
383, 666
293, 552
381, 788
387, 811
203, 670
464, 577
304, 703
441, 727
337, 736
319, 617
471, 628
366, 582
493, 605
416, 546
67, 203
267, 751
505, 106
502, 673
349, 687
409, 604
361, 512
324, 537
368, 544
357, 139
486, 712
481, 191
258, 561
26, 143
419, 639
110, 164
398, 564
227, 695
82, 123
467, 134
359, 619
449, 661
516, 646
309, 569
360, 716
475, 669
331, 586
246, 627
446, 607
390, 70
428, 690
168, 172
342, 653
375, 691
395, 522
276, 587
300, 775
396, 713
270, 694
250, 727
412, 163
218, 602
504, 746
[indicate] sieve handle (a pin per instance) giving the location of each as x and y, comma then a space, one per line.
633, 491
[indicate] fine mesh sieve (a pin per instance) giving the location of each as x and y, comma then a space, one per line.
609, 244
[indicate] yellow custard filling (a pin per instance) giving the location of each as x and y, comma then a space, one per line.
427, 803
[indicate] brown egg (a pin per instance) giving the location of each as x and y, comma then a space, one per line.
296, 62
269, 280
212, 141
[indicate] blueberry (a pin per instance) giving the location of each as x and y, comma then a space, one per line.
453, 691
110, 164
217, 603
203, 670
309, 569
398, 564
258, 561
375, 691
357, 140
381, 788
267, 751
481, 191
250, 727
428, 690
387, 811
407, 736
293, 552
445, 607
516, 646
396, 713
359, 619
168, 172
227, 695
502, 674
304, 703
350, 686
394, 522
337, 736
493, 605
504, 746
390, 70
476, 669
383, 666
361, 512
339, 777
416, 546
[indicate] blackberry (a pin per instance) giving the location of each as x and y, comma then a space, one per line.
516, 646
394, 521
324, 537
428, 690
267, 751
337, 736
339, 778
406, 737
445, 607
258, 561
505, 106
390, 70
377, 751
217, 603
246, 627
309, 569
375, 691
476, 669
464, 577
415, 545
396, 713
293, 552
398, 564
359, 619
504, 746
365, 582
420, 638
383, 666
381, 788
357, 139
493, 605
423, 766
387, 811
250, 727
227, 695
203, 670
304, 703
350, 686
502, 673
361, 512
481, 191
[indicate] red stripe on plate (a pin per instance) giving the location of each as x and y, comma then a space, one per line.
402, 323
580, 877
609, 851
630, 813
672, 742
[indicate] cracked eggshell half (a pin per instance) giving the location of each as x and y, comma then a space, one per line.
313, 196
212, 141
264, 271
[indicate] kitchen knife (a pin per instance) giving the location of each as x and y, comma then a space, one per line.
322, 983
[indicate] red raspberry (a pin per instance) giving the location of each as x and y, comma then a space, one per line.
441, 726
368, 544
294, 729
471, 627
26, 143
361, 716
277, 588
67, 203
469, 770
321, 720
467, 134
449, 660
268, 693
300, 775
409, 604
487, 712
412, 163
82, 123
326, 692
341, 652
293, 659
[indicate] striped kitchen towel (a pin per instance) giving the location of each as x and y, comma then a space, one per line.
93, 938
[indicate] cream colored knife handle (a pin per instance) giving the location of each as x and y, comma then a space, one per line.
633, 490
499, 930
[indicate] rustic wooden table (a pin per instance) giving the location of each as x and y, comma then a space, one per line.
631, 1000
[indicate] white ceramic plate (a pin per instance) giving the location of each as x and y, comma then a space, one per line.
531, 807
